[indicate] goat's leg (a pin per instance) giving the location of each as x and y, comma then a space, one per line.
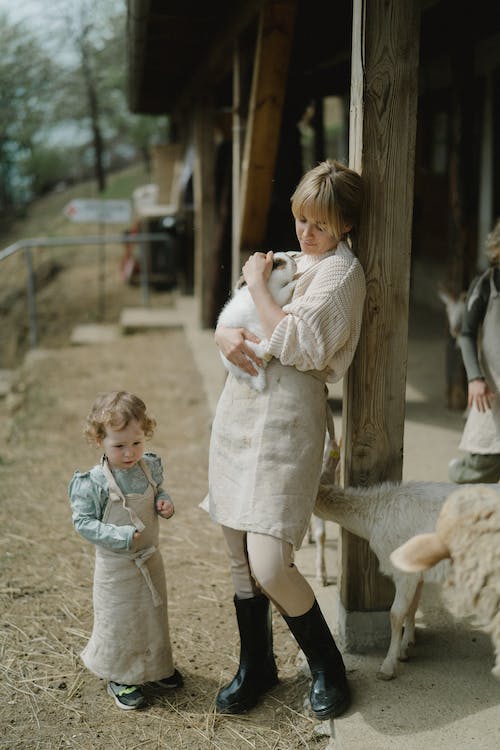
409, 629
319, 534
406, 586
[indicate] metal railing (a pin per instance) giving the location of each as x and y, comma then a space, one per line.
35, 243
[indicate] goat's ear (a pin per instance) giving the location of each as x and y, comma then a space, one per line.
444, 295
241, 282
420, 553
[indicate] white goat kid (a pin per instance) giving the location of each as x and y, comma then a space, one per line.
386, 515
468, 532
240, 312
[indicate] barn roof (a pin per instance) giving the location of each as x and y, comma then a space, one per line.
175, 48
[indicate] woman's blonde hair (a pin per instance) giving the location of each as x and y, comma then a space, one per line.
331, 196
115, 410
493, 244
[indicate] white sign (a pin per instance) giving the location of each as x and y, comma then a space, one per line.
99, 211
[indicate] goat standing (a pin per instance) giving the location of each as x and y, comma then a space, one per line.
386, 515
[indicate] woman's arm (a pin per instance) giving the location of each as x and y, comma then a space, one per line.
232, 341
479, 392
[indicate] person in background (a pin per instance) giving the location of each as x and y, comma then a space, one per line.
266, 447
116, 506
479, 342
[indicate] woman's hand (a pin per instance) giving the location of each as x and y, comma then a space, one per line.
480, 395
257, 269
232, 344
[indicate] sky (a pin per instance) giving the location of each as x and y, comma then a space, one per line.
20, 11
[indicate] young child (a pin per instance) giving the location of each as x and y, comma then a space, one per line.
480, 345
116, 506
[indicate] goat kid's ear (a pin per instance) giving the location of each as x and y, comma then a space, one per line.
241, 282
421, 552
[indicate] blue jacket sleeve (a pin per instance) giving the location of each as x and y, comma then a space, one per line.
88, 496
155, 465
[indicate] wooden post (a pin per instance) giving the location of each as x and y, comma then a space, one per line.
272, 55
237, 150
382, 147
204, 206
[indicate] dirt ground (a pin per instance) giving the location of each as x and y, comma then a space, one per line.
446, 698
48, 701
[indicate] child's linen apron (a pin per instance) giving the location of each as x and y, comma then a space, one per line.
130, 641
266, 453
482, 429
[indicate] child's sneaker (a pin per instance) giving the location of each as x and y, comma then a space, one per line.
127, 697
174, 681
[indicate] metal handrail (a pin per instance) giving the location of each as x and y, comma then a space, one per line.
31, 243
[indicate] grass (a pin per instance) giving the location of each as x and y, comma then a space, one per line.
45, 216
69, 279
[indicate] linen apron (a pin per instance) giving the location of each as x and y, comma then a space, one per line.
266, 453
130, 641
482, 430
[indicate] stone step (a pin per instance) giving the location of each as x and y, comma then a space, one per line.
134, 319
96, 333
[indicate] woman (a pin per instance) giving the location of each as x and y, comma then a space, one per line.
266, 448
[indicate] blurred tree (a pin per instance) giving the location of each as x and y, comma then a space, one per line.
25, 75
63, 105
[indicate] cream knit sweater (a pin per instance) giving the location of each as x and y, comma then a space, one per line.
323, 322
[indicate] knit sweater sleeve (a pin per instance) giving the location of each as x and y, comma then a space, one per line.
323, 322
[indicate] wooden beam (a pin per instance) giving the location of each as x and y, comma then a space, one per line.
272, 56
382, 147
238, 125
204, 205
218, 62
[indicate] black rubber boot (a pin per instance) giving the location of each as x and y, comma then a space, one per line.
330, 694
257, 671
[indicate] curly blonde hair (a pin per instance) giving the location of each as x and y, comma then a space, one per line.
331, 196
493, 244
115, 410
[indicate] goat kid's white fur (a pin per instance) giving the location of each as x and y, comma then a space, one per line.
240, 312
386, 515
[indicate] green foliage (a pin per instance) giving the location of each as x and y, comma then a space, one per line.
63, 104
25, 72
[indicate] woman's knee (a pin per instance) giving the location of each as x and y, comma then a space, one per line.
270, 561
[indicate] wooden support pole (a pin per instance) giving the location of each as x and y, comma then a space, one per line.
204, 205
237, 151
382, 147
272, 55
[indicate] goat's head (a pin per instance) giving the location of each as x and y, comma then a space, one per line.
455, 307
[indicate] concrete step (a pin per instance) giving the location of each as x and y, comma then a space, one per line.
95, 334
134, 319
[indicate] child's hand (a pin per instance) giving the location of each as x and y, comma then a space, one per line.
165, 508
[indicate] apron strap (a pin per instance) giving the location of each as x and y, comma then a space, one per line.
134, 518
140, 559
